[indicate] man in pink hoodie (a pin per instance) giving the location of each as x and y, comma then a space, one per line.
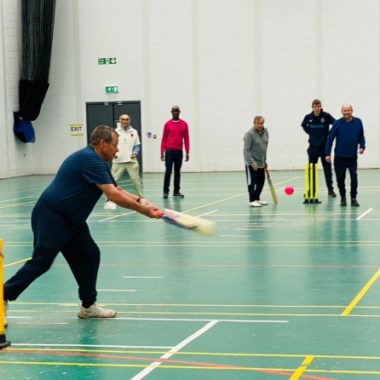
176, 133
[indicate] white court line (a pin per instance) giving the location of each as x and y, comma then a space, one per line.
207, 213
363, 215
117, 290
249, 229
175, 349
198, 320
57, 323
233, 235
143, 277
117, 216
87, 345
8, 317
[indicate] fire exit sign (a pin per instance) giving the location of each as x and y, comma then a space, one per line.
112, 89
106, 61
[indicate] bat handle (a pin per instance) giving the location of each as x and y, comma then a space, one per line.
159, 214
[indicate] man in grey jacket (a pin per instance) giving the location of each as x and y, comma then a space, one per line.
255, 157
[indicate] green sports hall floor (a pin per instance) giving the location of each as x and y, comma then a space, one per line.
288, 291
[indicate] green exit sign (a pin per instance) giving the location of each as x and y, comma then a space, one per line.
106, 61
112, 89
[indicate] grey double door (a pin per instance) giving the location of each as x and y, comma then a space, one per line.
108, 113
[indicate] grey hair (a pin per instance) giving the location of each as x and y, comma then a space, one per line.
102, 132
258, 118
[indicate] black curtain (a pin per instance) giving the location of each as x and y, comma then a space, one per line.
37, 39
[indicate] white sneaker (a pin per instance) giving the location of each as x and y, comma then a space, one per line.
95, 311
109, 205
263, 203
5, 313
255, 204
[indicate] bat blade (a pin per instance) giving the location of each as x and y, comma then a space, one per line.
201, 226
272, 190
271, 187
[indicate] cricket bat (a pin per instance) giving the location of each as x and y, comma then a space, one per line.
271, 187
201, 226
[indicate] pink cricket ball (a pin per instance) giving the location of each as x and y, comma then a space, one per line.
289, 190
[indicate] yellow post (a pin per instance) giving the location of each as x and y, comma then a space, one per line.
312, 182
316, 181
3, 340
307, 189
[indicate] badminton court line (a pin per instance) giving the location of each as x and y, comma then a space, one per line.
364, 214
175, 349
361, 294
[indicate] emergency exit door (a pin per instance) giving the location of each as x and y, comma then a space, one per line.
108, 113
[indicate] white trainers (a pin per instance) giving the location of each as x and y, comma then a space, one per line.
255, 204
109, 205
95, 311
5, 313
263, 203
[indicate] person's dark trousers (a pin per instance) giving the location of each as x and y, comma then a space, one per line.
255, 182
173, 157
327, 170
51, 235
341, 164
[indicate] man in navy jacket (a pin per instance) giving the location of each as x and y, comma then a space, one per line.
349, 134
317, 125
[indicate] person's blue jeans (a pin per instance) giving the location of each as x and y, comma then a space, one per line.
173, 158
341, 164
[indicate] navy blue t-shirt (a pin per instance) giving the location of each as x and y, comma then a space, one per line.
317, 127
73, 192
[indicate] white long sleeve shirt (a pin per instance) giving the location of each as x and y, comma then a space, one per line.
128, 140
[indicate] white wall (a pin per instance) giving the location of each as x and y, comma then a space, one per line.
222, 61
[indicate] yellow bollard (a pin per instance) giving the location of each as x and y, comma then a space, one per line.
312, 182
307, 189
3, 339
316, 182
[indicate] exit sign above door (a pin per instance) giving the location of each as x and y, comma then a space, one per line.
106, 61
112, 89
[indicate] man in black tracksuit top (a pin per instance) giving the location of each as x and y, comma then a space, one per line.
317, 125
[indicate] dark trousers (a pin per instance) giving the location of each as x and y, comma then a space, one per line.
313, 159
51, 236
173, 157
255, 182
341, 164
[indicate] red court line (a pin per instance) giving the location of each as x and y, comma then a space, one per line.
171, 361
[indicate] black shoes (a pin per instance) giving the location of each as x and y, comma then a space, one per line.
354, 202
332, 194
175, 195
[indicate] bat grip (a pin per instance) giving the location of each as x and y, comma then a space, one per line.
159, 214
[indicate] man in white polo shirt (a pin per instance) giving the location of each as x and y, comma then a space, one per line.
129, 148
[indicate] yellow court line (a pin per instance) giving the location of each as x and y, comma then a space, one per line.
190, 305
165, 366
302, 368
196, 353
17, 262
361, 294
16, 205
210, 314
193, 305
